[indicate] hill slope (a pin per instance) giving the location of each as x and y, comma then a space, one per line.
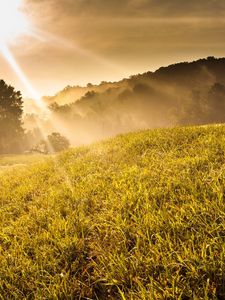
141, 216
194, 74
180, 94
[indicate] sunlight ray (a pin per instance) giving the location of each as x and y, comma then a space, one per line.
44, 110
15, 66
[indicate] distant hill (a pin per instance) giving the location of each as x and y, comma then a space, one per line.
180, 94
184, 73
73, 93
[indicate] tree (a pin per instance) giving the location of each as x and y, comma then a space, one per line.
58, 142
11, 110
54, 142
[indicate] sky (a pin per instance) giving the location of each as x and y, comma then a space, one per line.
74, 42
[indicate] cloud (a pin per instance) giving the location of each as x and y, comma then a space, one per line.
142, 8
98, 23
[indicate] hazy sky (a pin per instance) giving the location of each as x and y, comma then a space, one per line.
80, 41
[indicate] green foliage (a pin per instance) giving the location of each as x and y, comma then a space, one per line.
11, 132
140, 216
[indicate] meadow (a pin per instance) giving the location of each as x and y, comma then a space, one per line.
17, 161
139, 216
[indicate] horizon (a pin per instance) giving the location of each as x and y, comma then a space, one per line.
97, 83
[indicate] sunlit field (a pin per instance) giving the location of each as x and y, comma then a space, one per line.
17, 161
98, 202
140, 216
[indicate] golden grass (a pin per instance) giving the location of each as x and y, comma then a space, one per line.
140, 216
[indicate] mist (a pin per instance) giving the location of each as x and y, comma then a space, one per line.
180, 94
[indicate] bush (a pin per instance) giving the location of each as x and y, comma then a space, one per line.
57, 142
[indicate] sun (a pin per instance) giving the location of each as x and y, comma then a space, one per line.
13, 22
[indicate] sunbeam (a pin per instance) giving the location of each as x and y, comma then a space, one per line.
15, 66
41, 105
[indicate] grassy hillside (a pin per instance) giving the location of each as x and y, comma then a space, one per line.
141, 216
17, 161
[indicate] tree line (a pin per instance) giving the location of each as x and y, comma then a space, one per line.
180, 94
